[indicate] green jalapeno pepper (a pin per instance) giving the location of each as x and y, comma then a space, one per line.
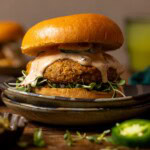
132, 133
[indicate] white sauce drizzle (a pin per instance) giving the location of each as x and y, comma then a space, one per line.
100, 60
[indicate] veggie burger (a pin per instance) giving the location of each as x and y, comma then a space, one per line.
11, 34
71, 59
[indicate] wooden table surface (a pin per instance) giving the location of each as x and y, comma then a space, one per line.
53, 136
54, 139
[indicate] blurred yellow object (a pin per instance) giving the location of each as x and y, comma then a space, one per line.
5, 63
138, 43
10, 31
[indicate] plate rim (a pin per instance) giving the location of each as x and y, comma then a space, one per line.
5, 86
63, 109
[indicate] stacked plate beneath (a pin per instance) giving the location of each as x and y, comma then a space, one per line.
70, 111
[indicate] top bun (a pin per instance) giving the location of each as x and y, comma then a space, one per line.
10, 31
80, 28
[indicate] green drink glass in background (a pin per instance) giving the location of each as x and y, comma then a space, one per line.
138, 42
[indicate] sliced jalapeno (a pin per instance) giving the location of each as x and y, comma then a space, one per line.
132, 133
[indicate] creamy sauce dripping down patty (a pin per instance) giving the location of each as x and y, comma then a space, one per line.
100, 60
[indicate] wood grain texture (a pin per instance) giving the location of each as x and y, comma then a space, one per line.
53, 136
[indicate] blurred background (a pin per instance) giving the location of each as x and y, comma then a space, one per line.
30, 12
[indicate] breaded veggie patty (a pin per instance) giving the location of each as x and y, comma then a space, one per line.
69, 71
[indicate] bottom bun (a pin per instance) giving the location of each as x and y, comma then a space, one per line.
75, 93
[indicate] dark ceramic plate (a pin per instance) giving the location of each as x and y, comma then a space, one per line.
5, 78
135, 95
13, 133
75, 116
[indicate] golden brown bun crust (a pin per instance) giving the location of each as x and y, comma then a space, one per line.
80, 28
5, 63
10, 31
74, 93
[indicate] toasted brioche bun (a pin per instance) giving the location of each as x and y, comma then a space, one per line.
74, 93
80, 28
10, 31
5, 62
